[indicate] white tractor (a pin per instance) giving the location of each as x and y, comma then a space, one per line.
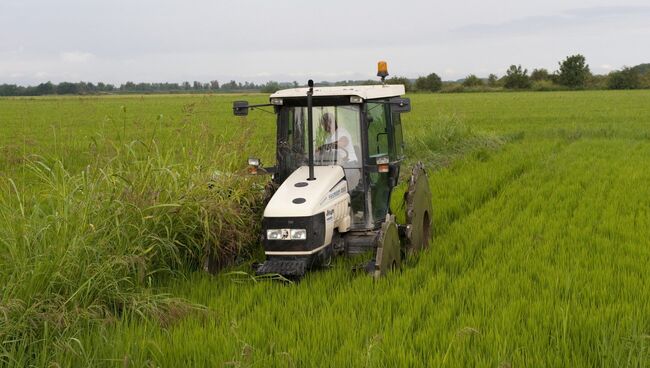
338, 157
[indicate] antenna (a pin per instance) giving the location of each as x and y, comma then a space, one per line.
310, 129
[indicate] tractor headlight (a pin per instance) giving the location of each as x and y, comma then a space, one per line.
286, 234
298, 234
274, 234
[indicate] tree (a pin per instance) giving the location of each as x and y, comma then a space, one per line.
128, 86
214, 85
645, 80
627, 78
270, 87
9, 90
642, 69
431, 83
44, 89
87, 87
401, 80
66, 88
540, 75
143, 87
472, 81
516, 78
597, 81
229, 86
574, 71
493, 80
103, 87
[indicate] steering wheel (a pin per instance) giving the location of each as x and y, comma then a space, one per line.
329, 149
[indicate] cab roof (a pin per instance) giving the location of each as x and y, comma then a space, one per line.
365, 92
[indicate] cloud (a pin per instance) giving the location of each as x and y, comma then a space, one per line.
259, 41
12, 52
594, 16
76, 57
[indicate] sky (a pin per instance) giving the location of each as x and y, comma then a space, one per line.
285, 40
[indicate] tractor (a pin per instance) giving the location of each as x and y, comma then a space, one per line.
339, 152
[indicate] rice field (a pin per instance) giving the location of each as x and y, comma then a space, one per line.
108, 206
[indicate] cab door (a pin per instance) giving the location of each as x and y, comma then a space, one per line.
380, 144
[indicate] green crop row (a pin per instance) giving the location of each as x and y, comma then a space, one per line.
545, 270
108, 206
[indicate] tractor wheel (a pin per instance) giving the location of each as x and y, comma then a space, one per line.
419, 211
388, 255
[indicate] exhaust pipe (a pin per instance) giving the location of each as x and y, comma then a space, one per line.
310, 129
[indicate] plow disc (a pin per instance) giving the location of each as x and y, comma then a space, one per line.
388, 248
419, 211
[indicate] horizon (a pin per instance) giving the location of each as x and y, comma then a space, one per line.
158, 41
300, 84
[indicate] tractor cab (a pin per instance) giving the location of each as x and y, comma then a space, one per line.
356, 128
338, 157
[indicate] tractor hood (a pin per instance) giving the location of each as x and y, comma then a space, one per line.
299, 197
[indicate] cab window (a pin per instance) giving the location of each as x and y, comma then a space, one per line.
378, 145
398, 140
377, 130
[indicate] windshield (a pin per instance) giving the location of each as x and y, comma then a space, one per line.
337, 141
337, 138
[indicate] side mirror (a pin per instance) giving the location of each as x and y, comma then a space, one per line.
240, 108
400, 105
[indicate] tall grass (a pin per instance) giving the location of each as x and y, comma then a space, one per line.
448, 137
84, 248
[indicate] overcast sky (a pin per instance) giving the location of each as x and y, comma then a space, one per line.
163, 40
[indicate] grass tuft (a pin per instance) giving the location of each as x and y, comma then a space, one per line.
87, 248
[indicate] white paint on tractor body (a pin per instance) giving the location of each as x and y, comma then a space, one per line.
365, 92
328, 194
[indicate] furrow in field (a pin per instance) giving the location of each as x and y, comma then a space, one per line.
468, 185
550, 253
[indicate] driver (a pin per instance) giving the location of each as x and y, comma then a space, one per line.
337, 138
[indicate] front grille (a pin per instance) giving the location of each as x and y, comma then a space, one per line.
315, 226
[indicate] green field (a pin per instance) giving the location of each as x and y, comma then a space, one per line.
542, 235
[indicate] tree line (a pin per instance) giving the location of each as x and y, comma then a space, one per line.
82, 88
572, 73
